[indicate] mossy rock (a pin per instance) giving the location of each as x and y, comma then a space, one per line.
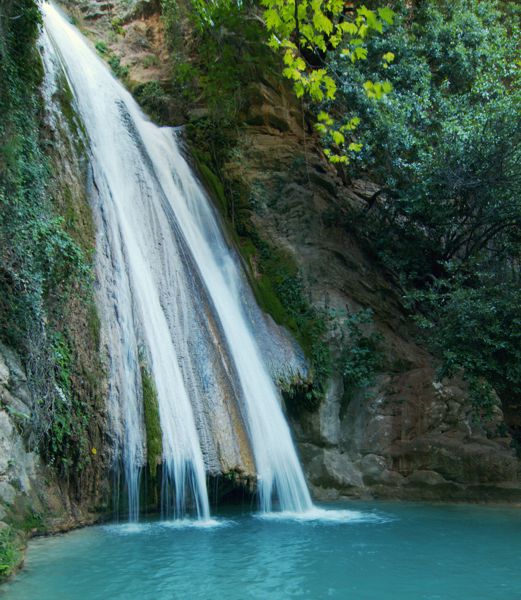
152, 421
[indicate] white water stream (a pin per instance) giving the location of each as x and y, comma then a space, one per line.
170, 297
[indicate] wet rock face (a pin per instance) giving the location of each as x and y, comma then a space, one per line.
31, 495
18, 467
26, 486
411, 437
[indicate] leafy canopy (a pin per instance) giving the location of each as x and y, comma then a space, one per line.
445, 150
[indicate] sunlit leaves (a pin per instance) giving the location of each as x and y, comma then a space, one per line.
324, 117
377, 90
371, 19
387, 59
272, 18
338, 137
306, 28
335, 136
386, 14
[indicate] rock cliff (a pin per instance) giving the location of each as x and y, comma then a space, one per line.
408, 436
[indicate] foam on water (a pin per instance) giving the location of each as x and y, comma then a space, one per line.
322, 515
147, 528
196, 524
130, 528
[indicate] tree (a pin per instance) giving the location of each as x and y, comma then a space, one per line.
445, 149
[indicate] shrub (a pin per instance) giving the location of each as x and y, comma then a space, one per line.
10, 554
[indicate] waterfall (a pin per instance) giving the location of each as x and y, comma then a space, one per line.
171, 297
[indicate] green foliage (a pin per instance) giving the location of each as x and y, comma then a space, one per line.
229, 53
483, 397
37, 254
445, 149
66, 440
113, 59
10, 554
154, 100
361, 354
475, 325
19, 27
361, 357
32, 521
116, 66
152, 421
101, 47
42, 265
213, 141
444, 145
62, 360
117, 26
305, 31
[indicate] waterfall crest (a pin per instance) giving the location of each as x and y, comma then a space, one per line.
171, 297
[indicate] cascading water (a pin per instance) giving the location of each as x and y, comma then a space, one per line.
171, 298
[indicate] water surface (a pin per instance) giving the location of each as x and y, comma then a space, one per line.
366, 551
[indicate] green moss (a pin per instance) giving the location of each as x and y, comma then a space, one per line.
152, 421
268, 300
66, 100
77, 218
279, 291
213, 183
94, 323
